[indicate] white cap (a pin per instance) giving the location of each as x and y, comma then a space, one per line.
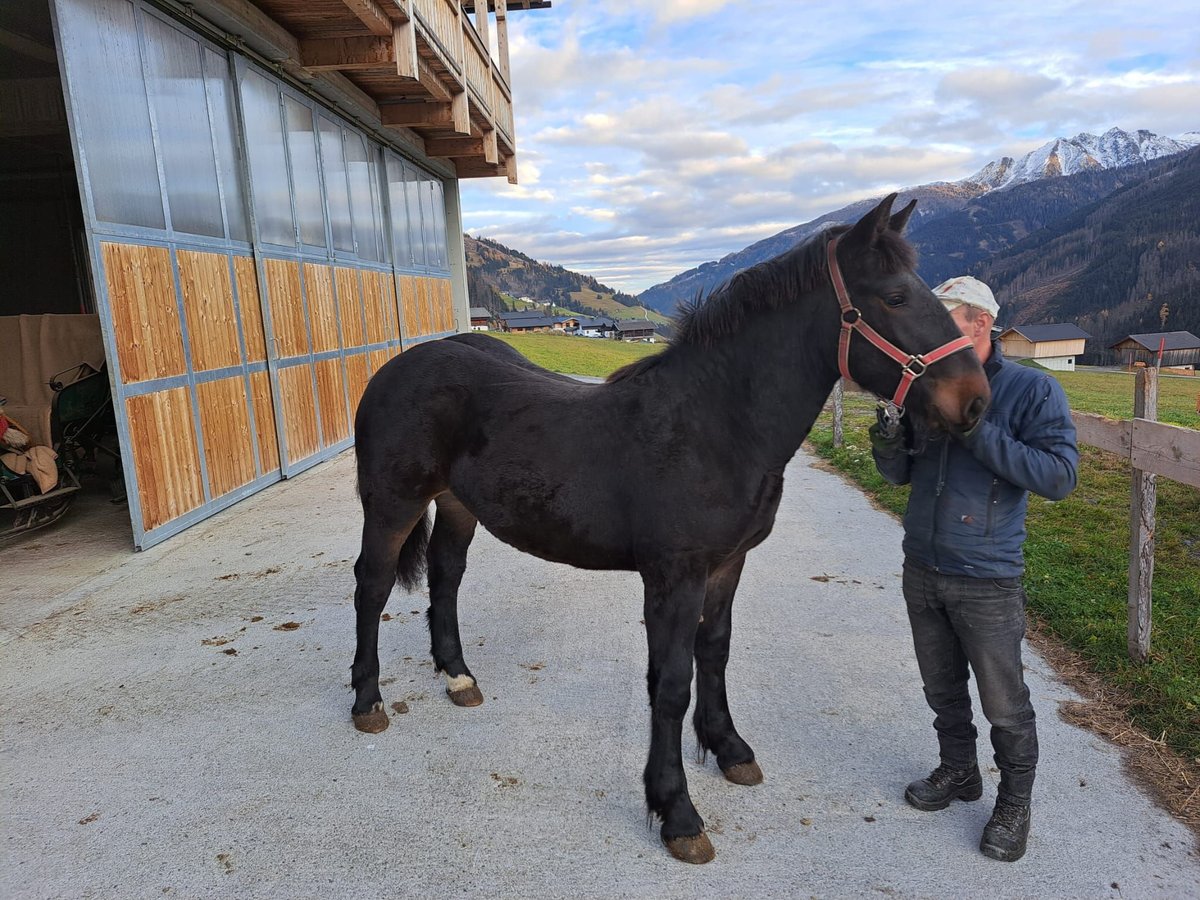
967, 291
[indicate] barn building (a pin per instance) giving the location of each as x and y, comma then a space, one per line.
254, 204
1052, 346
1180, 349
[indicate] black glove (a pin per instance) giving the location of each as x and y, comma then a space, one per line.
887, 433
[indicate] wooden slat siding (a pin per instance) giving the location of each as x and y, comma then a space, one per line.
350, 307
378, 359
141, 294
422, 302
164, 455
377, 319
1167, 450
408, 308
447, 304
318, 282
387, 285
225, 423
251, 308
299, 412
358, 373
264, 421
331, 390
208, 306
287, 306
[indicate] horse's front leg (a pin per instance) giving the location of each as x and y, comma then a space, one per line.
712, 720
674, 599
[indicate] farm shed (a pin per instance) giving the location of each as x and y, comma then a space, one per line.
1181, 349
635, 329
1054, 346
481, 318
257, 200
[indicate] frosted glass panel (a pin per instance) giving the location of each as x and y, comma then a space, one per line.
302, 149
108, 97
431, 249
224, 115
333, 160
177, 90
401, 239
412, 189
268, 162
439, 223
362, 196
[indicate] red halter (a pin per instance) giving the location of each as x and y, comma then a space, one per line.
913, 366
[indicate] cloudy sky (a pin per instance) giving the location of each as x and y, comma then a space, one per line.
654, 135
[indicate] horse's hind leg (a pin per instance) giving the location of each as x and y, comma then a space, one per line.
713, 723
375, 574
453, 529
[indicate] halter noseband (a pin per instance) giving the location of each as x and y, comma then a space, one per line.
912, 366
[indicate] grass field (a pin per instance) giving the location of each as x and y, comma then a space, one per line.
1077, 555
576, 355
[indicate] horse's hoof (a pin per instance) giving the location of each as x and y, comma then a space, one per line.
372, 722
744, 773
468, 696
695, 849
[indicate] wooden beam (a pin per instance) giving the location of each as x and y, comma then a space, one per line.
1141, 528
491, 152
27, 46
370, 14
404, 39
432, 84
502, 37
347, 53
510, 168
451, 147
416, 115
460, 109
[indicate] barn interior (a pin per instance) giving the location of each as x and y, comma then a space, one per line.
49, 327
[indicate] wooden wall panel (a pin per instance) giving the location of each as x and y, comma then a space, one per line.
251, 308
424, 325
358, 374
350, 307
318, 285
208, 306
387, 290
445, 305
165, 455
331, 391
378, 358
287, 306
373, 302
141, 293
299, 412
408, 305
264, 421
225, 424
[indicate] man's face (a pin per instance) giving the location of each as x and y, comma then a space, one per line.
959, 315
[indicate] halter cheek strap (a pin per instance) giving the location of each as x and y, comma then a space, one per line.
912, 366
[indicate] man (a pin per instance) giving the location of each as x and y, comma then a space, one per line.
963, 535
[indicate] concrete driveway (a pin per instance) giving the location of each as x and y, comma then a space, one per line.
176, 724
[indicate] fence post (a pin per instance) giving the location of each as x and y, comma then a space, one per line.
1141, 526
838, 438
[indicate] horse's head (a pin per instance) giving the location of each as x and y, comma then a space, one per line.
928, 366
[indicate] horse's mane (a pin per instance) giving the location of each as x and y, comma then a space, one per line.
766, 286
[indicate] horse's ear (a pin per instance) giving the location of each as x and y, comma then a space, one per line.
899, 221
869, 228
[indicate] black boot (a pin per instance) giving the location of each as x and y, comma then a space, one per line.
943, 785
1006, 832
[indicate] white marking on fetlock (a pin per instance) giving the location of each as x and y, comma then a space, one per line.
459, 682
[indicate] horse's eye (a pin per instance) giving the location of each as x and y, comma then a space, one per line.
894, 299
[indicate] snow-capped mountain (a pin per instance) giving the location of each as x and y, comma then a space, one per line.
1066, 156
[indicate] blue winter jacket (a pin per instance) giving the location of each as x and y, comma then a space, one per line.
966, 511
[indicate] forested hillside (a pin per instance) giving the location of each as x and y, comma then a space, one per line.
1128, 263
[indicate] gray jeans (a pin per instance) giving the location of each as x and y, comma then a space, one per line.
958, 621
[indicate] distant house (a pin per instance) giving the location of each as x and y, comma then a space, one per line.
481, 319
1181, 349
531, 324
1053, 346
509, 319
598, 327
635, 330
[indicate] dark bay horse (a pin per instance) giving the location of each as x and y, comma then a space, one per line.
673, 468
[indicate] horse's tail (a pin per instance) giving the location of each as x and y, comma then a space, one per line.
411, 565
